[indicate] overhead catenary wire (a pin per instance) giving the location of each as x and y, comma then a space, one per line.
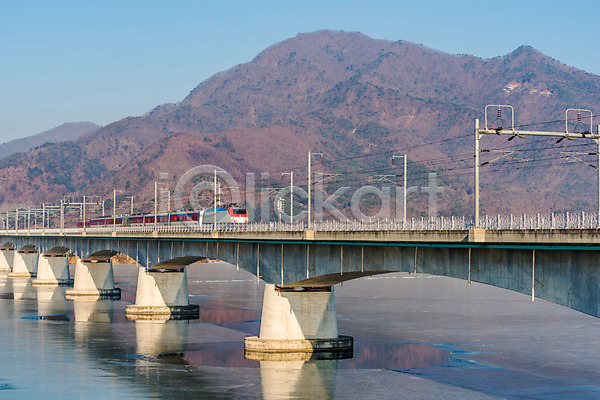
450, 163
330, 162
353, 177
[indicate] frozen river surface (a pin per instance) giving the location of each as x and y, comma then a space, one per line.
416, 337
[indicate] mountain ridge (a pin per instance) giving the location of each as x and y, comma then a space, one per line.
340, 93
63, 132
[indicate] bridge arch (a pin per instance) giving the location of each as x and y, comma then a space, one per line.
57, 251
176, 264
7, 246
334, 279
27, 248
102, 256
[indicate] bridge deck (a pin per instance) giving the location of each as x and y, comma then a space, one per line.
529, 238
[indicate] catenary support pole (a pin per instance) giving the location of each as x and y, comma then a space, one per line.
477, 173
598, 154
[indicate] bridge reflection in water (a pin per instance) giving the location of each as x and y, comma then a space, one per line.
205, 357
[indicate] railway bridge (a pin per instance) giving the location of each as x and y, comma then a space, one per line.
300, 267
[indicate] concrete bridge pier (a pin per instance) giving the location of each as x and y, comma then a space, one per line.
53, 268
94, 277
7, 256
162, 291
298, 320
25, 263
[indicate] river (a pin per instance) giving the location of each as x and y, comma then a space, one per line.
416, 337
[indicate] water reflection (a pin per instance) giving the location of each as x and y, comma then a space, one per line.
163, 340
314, 379
88, 309
22, 289
394, 355
298, 375
6, 291
51, 302
226, 316
205, 357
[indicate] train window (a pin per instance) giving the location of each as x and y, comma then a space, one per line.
238, 211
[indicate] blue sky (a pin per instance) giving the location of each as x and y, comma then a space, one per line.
67, 61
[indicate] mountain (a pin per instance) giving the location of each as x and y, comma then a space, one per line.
64, 132
355, 99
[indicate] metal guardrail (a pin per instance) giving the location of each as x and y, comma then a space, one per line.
493, 222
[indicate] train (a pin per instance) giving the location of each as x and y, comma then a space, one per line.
231, 214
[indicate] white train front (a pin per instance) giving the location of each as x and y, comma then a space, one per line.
231, 214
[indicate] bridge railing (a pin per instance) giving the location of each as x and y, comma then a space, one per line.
541, 221
494, 222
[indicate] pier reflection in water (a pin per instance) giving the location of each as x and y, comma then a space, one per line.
89, 309
22, 289
51, 302
404, 330
289, 376
161, 340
